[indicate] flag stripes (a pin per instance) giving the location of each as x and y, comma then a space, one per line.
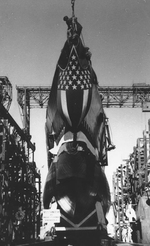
74, 89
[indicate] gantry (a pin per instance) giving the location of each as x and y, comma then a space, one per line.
135, 96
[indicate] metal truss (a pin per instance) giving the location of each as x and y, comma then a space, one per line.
113, 96
131, 179
31, 97
136, 96
20, 184
5, 92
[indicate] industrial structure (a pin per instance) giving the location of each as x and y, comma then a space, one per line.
20, 179
131, 182
76, 184
130, 179
135, 96
20, 182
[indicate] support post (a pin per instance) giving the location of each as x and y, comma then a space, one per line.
26, 112
100, 215
118, 203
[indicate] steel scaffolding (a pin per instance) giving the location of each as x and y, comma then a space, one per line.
20, 184
132, 179
5, 92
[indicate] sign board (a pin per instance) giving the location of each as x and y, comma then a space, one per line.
146, 107
51, 215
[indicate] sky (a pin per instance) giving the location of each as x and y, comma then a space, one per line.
32, 34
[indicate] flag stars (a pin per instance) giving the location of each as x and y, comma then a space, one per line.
74, 87
74, 77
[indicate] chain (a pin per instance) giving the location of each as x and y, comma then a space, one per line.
72, 3
73, 15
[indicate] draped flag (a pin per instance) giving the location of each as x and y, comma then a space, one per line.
74, 103
74, 91
94, 125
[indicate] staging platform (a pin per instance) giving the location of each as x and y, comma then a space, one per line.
104, 242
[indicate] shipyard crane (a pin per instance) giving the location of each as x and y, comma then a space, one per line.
135, 96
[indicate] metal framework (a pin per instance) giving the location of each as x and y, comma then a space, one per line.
136, 96
5, 92
20, 184
125, 97
132, 179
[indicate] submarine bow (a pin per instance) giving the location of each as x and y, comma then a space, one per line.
75, 123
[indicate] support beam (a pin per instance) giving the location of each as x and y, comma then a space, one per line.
135, 96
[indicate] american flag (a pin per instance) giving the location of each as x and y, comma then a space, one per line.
74, 90
74, 77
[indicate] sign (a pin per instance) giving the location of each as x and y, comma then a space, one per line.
51, 215
146, 107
